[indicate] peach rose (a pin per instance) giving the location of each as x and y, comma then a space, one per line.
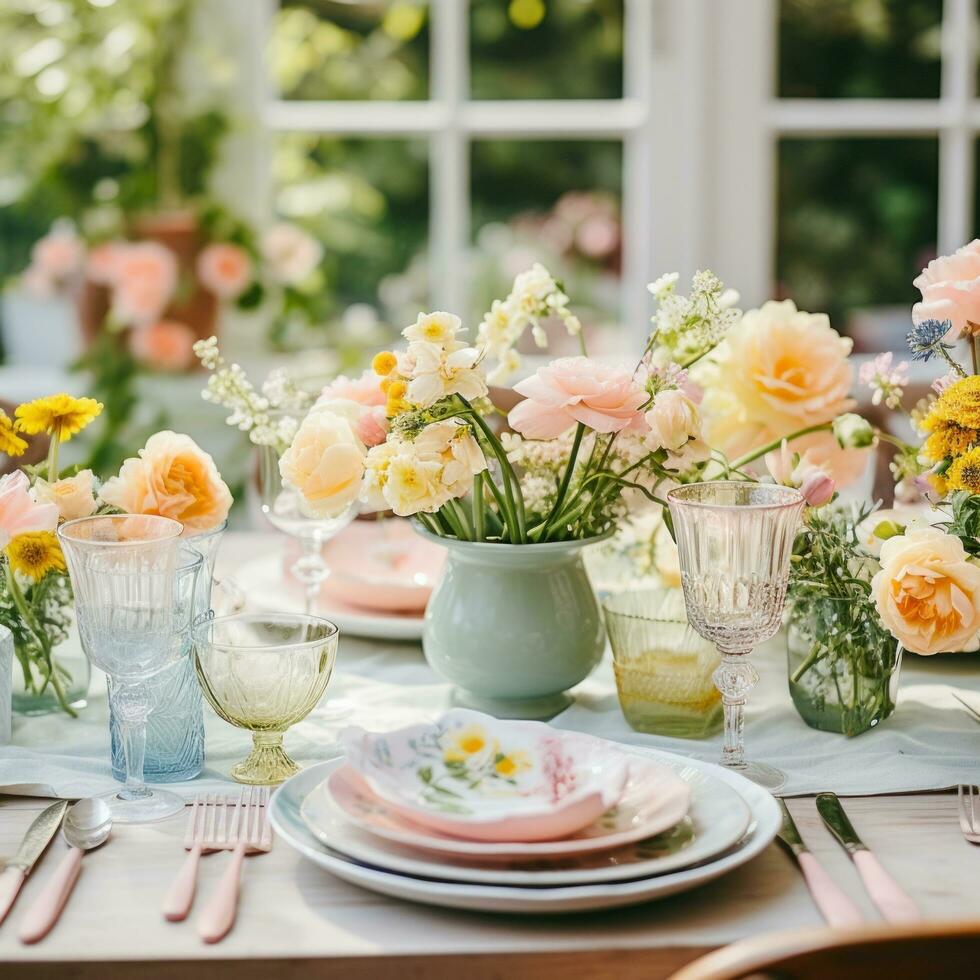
19, 512
928, 592
225, 269
604, 397
74, 496
172, 477
166, 345
290, 252
950, 287
144, 282
325, 463
102, 264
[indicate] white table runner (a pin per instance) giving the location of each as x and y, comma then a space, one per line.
929, 743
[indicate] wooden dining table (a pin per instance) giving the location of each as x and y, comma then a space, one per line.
296, 920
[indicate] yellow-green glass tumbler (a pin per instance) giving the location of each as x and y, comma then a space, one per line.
265, 672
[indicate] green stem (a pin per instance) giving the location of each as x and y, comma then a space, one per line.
755, 454
567, 475
477, 508
53, 459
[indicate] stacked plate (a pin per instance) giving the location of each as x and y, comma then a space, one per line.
472, 812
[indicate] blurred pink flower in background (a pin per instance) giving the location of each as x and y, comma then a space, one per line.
102, 264
365, 390
290, 253
225, 269
144, 281
166, 345
950, 287
607, 398
19, 512
57, 261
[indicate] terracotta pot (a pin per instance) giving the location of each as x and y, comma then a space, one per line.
178, 231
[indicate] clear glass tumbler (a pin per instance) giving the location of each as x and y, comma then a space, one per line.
735, 539
135, 595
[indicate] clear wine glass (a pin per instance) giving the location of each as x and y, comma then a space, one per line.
735, 540
136, 600
284, 510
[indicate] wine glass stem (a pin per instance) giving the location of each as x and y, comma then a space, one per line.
311, 569
735, 677
132, 710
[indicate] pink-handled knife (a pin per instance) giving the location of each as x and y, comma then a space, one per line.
37, 838
836, 908
889, 898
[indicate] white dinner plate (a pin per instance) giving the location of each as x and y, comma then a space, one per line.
717, 819
269, 589
288, 823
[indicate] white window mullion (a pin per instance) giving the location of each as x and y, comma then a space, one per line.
956, 141
449, 191
637, 199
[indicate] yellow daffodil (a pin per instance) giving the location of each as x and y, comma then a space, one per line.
10, 442
60, 416
964, 474
35, 554
384, 363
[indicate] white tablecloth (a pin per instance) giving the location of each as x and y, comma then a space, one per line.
929, 743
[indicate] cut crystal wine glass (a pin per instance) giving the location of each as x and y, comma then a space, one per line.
136, 600
735, 539
284, 509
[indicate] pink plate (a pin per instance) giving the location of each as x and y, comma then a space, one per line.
655, 800
381, 565
476, 777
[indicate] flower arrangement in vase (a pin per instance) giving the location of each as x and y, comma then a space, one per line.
591, 439
171, 476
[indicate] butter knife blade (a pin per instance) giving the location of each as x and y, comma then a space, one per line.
789, 834
837, 822
889, 897
38, 837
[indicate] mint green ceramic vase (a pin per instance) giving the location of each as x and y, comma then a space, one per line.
513, 627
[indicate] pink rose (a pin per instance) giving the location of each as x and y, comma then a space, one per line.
102, 265
372, 426
817, 487
166, 345
225, 269
59, 255
19, 512
145, 280
365, 390
950, 287
604, 397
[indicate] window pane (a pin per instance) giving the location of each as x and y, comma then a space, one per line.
857, 222
546, 49
338, 49
367, 202
557, 203
859, 48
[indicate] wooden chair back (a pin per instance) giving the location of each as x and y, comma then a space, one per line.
928, 949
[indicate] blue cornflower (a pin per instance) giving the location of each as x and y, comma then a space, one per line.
925, 338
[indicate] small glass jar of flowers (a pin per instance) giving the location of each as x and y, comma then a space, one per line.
514, 623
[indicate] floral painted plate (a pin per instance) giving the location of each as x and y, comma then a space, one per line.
649, 805
718, 818
284, 814
473, 776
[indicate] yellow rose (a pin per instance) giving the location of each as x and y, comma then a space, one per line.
324, 464
928, 592
73, 496
172, 477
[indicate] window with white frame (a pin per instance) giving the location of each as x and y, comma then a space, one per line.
817, 150
491, 141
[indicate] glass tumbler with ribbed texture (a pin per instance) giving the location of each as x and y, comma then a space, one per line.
735, 539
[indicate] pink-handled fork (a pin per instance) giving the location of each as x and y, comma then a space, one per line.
252, 833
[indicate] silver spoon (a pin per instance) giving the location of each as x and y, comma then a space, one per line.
87, 825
